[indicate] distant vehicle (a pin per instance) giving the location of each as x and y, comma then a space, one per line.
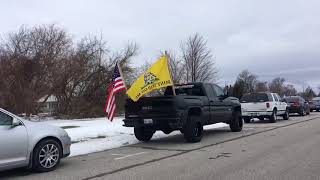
28, 144
263, 105
195, 105
296, 104
315, 104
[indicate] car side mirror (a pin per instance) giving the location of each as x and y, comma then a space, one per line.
15, 122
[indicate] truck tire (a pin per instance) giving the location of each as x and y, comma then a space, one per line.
247, 119
273, 117
193, 130
286, 115
236, 123
143, 134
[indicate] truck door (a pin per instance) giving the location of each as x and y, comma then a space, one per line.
211, 97
221, 110
282, 105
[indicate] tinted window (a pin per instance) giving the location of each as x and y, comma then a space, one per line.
5, 119
254, 97
291, 99
275, 97
209, 91
218, 90
188, 90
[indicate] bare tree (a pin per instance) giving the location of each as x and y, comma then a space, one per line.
277, 85
290, 90
43, 60
247, 80
198, 60
176, 66
32, 54
261, 86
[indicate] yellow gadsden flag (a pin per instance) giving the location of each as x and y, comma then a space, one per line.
156, 77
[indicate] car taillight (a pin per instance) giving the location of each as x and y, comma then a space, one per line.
268, 105
296, 104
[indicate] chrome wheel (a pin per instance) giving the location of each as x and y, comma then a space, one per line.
49, 156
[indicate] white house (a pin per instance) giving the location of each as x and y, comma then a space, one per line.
49, 105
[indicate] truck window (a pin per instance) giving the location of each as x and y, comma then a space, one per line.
187, 90
254, 97
209, 91
218, 90
275, 97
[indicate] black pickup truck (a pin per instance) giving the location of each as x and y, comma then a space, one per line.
195, 105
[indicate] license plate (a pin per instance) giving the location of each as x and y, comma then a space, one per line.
147, 121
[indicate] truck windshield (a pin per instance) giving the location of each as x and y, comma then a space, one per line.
254, 97
188, 90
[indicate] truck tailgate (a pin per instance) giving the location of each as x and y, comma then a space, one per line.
254, 106
162, 106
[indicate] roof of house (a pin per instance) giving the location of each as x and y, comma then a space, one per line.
51, 98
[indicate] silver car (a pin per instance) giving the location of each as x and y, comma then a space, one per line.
29, 144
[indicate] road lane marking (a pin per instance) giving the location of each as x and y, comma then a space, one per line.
117, 154
130, 155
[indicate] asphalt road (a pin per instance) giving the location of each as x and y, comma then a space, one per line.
284, 150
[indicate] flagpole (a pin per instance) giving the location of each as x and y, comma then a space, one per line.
169, 59
121, 74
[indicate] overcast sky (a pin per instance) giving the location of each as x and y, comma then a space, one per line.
269, 38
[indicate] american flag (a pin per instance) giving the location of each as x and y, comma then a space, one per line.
117, 85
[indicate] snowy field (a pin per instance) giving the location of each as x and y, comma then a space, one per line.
99, 134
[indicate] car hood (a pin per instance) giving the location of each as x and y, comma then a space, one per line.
42, 127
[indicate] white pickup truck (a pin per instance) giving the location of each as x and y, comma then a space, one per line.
263, 105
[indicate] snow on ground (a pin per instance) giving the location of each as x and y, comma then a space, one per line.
99, 134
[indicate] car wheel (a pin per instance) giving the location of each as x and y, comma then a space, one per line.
247, 119
286, 115
237, 122
303, 112
46, 155
143, 134
193, 131
273, 117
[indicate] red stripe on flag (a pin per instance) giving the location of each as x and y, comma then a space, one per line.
111, 114
117, 85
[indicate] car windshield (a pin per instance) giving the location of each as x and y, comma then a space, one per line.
188, 90
254, 97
